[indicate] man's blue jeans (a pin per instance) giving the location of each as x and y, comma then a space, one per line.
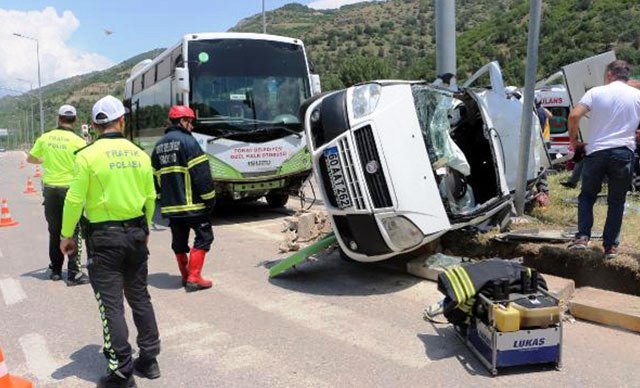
617, 165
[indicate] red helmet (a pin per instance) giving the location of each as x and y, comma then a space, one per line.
180, 111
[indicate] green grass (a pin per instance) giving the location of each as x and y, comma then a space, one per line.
561, 214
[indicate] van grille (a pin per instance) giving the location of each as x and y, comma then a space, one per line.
350, 176
376, 182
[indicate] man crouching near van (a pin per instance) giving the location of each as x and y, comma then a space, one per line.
187, 196
615, 114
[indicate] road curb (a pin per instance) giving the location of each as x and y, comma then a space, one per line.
606, 307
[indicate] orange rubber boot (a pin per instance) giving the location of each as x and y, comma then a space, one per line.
183, 265
195, 282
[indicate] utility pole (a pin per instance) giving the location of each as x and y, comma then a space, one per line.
264, 19
527, 105
445, 37
39, 78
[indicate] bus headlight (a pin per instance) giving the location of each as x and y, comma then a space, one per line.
402, 232
365, 99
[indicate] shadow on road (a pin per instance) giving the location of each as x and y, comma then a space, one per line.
40, 273
86, 363
240, 212
446, 344
328, 274
165, 281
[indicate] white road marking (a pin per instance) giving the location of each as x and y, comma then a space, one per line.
12, 291
371, 334
39, 361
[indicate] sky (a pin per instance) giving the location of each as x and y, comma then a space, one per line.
73, 35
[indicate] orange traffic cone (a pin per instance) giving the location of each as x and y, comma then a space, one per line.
30, 189
9, 381
38, 174
6, 220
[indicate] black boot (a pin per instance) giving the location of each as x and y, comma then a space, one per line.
77, 279
112, 380
146, 368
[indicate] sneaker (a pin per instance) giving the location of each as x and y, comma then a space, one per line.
568, 184
579, 243
77, 280
112, 380
149, 369
55, 276
610, 252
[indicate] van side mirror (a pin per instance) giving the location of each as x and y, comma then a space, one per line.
315, 84
182, 80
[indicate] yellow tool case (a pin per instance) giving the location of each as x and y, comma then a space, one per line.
536, 310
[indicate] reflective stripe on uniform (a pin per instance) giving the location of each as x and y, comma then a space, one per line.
167, 170
457, 272
187, 188
106, 334
197, 160
455, 287
179, 208
209, 195
464, 276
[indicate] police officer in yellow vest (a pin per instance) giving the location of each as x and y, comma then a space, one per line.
114, 183
55, 150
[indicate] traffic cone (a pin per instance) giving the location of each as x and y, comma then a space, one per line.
30, 189
38, 174
9, 381
6, 220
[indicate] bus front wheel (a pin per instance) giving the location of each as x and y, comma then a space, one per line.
277, 198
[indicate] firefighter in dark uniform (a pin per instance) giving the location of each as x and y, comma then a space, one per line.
114, 183
187, 196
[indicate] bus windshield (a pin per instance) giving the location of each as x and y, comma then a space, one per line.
247, 83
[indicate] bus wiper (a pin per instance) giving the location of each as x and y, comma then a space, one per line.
275, 128
225, 135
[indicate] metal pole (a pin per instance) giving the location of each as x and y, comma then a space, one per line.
445, 36
264, 19
40, 89
527, 106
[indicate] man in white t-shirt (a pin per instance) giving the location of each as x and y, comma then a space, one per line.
615, 113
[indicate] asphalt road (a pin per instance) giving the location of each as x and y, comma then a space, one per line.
327, 324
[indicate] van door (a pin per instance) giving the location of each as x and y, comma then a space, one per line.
583, 75
502, 114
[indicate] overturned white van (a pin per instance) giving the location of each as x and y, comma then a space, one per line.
400, 163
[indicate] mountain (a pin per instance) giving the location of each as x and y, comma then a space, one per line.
395, 39
82, 91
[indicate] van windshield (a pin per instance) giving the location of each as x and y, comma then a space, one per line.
245, 83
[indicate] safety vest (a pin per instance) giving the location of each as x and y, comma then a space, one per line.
56, 149
113, 181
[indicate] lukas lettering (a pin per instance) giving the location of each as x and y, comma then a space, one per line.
528, 343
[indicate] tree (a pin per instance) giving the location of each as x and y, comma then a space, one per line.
360, 68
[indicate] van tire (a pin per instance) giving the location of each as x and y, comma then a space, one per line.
277, 198
346, 258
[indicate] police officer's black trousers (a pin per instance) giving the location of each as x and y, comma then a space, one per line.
53, 205
118, 265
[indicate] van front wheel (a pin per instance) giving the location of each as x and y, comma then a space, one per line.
277, 199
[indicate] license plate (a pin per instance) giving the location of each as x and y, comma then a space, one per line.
336, 176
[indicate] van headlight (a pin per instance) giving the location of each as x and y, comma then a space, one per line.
402, 232
364, 99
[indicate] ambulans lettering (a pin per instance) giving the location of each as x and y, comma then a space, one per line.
529, 343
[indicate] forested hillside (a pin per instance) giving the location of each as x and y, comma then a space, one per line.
395, 39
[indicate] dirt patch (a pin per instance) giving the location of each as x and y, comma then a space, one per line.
586, 268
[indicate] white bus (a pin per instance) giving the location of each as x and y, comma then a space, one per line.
246, 90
